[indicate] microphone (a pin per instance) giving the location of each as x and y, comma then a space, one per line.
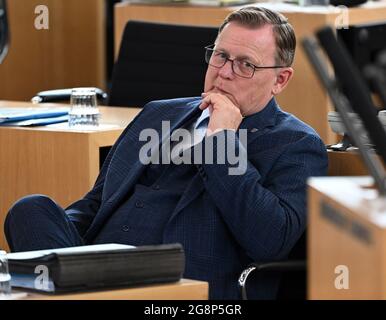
354, 88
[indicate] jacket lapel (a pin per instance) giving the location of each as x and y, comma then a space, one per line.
259, 123
193, 190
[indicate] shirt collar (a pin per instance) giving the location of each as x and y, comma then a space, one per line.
203, 116
264, 118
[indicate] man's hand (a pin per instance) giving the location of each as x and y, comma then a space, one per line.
224, 115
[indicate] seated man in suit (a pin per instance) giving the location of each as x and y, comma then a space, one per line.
224, 219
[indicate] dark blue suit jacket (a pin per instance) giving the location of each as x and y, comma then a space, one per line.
223, 221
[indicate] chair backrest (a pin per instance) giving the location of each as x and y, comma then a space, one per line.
159, 61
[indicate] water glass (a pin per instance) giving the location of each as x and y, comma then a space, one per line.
5, 277
84, 109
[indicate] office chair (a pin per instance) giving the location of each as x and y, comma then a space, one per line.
156, 61
292, 272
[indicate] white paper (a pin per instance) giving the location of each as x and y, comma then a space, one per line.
92, 248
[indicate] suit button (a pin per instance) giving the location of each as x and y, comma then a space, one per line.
156, 187
125, 228
139, 204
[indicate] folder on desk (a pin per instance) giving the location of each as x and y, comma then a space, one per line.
35, 122
94, 267
21, 114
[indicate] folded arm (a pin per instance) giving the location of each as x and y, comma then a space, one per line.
266, 217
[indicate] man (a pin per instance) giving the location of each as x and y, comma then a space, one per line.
224, 219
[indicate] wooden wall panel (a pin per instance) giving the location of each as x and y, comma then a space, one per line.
70, 53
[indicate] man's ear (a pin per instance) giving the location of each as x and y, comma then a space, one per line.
282, 79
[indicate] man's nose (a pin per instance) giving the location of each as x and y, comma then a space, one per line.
226, 71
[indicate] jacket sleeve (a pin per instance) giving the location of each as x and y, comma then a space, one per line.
266, 218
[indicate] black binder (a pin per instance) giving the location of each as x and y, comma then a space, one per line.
96, 267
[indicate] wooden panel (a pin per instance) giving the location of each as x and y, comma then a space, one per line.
345, 164
346, 228
182, 290
189, 15
348, 163
304, 97
70, 53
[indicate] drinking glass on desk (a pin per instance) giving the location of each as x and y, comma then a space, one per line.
5, 277
84, 110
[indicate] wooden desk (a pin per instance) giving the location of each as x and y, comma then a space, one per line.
304, 96
182, 290
346, 163
347, 228
71, 53
54, 160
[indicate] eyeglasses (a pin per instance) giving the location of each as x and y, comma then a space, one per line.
240, 67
